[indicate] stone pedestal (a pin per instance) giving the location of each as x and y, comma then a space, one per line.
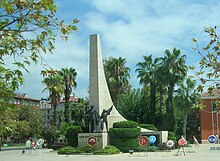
102, 139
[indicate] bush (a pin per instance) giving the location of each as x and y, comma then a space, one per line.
148, 126
125, 144
108, 150
87, 149
58, 145
72, 135
171, 136
124, 132
125, 124
152, 148
162, 146
69, 150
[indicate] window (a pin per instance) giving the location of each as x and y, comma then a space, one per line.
214, 107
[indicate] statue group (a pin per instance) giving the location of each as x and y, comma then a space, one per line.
96, 122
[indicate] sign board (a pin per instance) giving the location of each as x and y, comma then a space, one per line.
92, 141
212, 139
143, 141
152, 139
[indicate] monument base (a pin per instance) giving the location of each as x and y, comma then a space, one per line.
98, 140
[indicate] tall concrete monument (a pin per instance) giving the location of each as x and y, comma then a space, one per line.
99, 95
99, 99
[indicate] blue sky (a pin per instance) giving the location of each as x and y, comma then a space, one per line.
128, 28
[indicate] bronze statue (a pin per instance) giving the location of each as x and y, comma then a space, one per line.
93, 119
104, 116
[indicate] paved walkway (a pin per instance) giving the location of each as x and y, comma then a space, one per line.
203, 153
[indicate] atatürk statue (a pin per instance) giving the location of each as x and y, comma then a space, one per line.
93, 119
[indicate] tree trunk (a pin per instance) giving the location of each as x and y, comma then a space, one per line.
170, 118
185, 124
153, 102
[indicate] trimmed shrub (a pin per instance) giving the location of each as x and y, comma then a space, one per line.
124, 132
148, 126
108, 150
87, 149
58, 145
162, 146
125, 124
152, 148
125, 144
72, 135
69, 150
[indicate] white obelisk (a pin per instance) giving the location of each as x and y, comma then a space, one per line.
99, 95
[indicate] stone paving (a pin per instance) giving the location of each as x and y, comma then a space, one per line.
203, 153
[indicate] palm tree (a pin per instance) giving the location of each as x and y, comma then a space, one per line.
55, 86
186, 97
147, 72
69, 78
117, 76
174, 71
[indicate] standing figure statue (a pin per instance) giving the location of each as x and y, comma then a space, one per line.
104, 116
93, 119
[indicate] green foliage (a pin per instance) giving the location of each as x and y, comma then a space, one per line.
209, 62
77, 113
124, 135
69, 79
148, 126
125, 144
152, 148
124, 132
69, 150
21, 122
55, 85
57, 145
117, 77
162, 146
134, 105
87, 149
125, 124
72, 135
171, 136
108, 150
147, 72
49, 132
19, 20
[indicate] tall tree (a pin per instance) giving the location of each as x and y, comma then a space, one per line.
175, 69
134, 105
28, 28
117, 76
69, 78
147, 72
186, 97
55, 85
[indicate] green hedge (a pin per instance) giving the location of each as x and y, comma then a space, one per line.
124, 135
148, 126
110, 150
124, 132
125, 124
69, 150
125, 144
72, 135
88, 149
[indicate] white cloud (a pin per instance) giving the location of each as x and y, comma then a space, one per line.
131, 29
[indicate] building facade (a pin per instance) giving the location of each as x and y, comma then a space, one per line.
210, 115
